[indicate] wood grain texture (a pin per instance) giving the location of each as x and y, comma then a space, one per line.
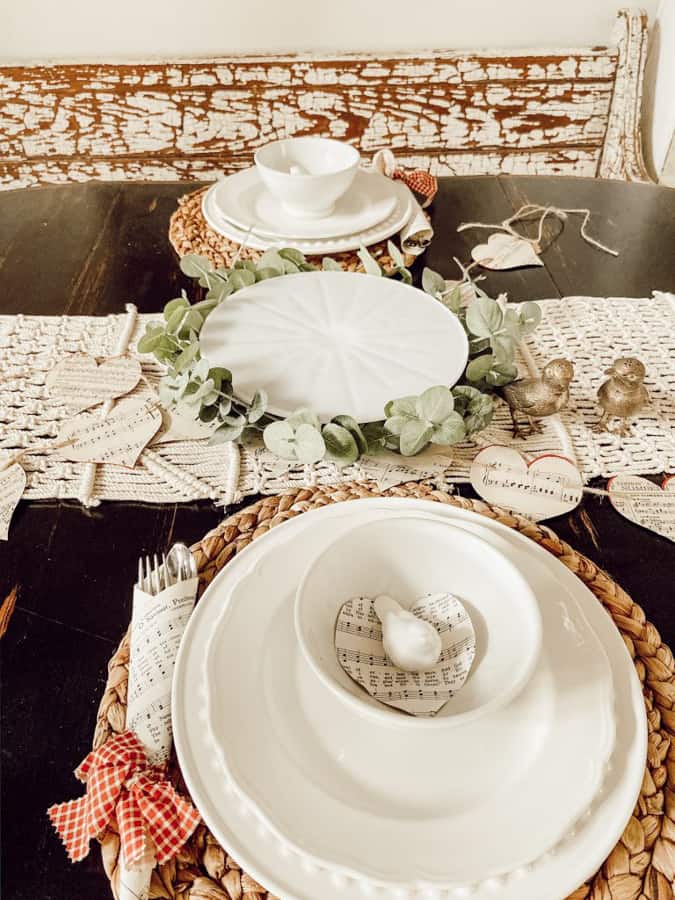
531, 112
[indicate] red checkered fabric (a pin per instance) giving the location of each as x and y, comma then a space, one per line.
420, 182
120, 783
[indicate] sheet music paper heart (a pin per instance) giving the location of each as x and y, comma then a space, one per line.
12, 486
358, 646
120, 438
644, 503
505, 251
80, 382
546, 486
181, 428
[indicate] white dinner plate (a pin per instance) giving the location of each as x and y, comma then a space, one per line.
292, 875
387, 228
336, 342
394, 801
244, 200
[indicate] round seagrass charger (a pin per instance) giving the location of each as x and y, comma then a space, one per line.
641, 866
189, 233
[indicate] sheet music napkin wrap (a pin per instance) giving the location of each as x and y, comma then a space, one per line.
157, 626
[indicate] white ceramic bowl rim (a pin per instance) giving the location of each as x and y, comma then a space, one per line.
396, 718
353, 153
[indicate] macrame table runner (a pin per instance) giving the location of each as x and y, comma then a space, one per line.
641, 866
590, 331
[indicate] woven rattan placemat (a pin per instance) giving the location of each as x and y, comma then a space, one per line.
189, 233
641, 866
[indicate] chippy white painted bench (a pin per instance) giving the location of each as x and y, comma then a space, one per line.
556, 112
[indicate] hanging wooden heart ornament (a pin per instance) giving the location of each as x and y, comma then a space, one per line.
80, 382
505, 251
645, 503
546, 486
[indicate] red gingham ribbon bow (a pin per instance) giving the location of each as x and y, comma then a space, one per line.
120, 782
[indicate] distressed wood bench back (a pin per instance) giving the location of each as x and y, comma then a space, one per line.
567, 112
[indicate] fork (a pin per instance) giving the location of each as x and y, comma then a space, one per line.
177, 565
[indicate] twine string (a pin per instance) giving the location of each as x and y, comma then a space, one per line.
532, 210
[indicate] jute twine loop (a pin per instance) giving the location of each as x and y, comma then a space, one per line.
641, 866
189, 233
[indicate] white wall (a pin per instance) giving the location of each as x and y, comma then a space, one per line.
37, 29
33, 30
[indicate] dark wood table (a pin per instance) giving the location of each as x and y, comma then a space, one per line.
88, 249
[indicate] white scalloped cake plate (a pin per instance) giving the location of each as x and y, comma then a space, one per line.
387, 228
246, 202
294, 875
336, 342
415, 794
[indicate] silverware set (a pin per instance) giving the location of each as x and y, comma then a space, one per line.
175, 566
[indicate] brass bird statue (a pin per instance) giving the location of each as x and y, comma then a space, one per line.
536, 398
623, 394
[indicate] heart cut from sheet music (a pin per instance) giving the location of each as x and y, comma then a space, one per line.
80, 382
505, 251
546, 486
645, 503
119, 438
12, 485
359, 650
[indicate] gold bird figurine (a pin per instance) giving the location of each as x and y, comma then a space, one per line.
537, 398
623, 394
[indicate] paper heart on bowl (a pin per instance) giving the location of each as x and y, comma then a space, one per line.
80, 382
505, 251
12, 486
119, 438
546, 486
645, 503
359, 649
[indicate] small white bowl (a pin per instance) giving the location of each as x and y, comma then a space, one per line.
326, 170
407, 557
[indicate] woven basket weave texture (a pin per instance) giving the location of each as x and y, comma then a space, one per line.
641, 866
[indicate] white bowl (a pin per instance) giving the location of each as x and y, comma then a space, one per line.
407, 557
326, 171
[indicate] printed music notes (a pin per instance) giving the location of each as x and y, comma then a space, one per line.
80, 382
118, 438
359, 650
647, 504
546, 486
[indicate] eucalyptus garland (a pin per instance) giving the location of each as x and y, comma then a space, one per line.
440, 415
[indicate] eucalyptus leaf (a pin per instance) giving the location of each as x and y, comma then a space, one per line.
272, 259
529, 314
292, 255
370, 264
396, 424
219, 375
150, 341
433, 283
175, 319
501, 373
303, 417
241, 278
279, 437
503, 346
230, 430
219, 291
173, 305
434, 405
309, 444
265, 273
353, 427
478, 367
374, 435
484, 317
330, 265
450, 431
415, 436
396, 255
186, 357
403, 406
340, 444
258, 406
290, 267
195, 266
208, 413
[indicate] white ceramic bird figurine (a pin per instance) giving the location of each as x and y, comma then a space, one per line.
410, 643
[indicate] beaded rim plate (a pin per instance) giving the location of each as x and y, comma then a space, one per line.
313, 247
273, 863
244, 201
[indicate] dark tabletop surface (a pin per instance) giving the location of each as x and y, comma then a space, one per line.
88, 249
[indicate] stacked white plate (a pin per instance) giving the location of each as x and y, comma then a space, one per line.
317, 800
241, 208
